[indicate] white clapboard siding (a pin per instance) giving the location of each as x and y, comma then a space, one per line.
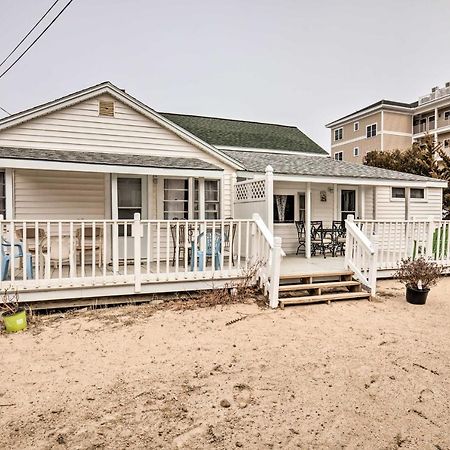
52, 195
431, 207
80, 128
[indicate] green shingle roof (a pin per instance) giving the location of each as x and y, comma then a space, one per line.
240, 133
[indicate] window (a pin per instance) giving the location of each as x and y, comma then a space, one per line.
348, 203
356, 151
417, 193
371, 130
176, 194
338, 134
301, 206
283, 208
129, 201
212, 199
446, 143
2, 194
338, 156
356, 126
398, 192
447, 115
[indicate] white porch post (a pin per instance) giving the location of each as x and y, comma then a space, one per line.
137, 235
269, 197
362, 196
308, 221
201, 198
335, 202
9, 182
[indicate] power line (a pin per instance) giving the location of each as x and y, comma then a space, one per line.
19, 44
31, 45
4, 110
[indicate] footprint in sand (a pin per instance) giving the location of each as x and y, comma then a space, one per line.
242, 395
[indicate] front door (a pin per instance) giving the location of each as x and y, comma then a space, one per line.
129, 197
348, 203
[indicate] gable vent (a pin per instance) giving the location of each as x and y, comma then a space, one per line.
106, 108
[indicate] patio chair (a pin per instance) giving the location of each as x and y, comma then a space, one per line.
30, 234
89, 234
301, 234
50, 250
339, 236
7, 253
226, 238
208, 251
181, 240
318, 241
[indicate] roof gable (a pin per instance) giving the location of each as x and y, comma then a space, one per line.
245, 134
109, 89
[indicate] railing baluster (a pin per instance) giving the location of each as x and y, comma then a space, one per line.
125, 248
12, 262
158, 249
168, 248
94, 253
25, 249
105, 235
72, 256
37, 250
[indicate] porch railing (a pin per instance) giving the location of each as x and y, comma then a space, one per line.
361, 255
398, 239
51, 254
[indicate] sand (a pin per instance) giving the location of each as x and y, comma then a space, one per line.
369, 375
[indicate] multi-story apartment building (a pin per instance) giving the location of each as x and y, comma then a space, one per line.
389, 125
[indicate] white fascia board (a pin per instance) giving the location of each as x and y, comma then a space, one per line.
106, 168
265, 150
368, 112
349, 181
108, 88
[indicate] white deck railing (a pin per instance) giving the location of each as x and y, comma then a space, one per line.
361, 255
52, 254
398, 239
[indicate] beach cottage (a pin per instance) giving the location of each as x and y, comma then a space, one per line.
104, 196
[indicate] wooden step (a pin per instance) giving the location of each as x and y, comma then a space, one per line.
320, 285
309, 277
324, 298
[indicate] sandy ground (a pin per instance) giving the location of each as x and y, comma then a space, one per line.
369, 375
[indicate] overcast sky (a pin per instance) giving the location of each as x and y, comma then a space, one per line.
300, 62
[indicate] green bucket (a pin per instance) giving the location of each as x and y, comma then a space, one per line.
15, 322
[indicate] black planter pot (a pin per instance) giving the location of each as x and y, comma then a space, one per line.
416, 296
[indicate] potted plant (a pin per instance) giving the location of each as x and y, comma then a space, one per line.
418, 275
13, 314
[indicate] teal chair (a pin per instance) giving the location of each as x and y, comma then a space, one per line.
208, 252
7, 253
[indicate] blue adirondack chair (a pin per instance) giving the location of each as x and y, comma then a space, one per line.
208, 252
7, 253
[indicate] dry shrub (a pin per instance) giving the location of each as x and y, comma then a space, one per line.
412, 272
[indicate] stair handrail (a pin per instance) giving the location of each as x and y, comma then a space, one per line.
358, 248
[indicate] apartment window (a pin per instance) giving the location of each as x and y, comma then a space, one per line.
446, 143
398, 192
338, 156
356, 126
176, 194
338, 134
447, 115
356, 151
417, 193
283, 208
2, 194
371, 130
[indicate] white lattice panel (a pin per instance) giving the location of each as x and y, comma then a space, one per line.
247, 191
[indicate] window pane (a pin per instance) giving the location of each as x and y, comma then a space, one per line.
129, 192
398, 192
283, 208
176, 194
417, 193
128, 213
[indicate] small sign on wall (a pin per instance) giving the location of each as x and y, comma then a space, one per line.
323, 196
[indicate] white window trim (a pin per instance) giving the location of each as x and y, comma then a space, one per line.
376, 130
356, 151
339, 153
355, 126
337, 131
397, 199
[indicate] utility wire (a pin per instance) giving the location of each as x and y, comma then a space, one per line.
20, 43
4, 110
31, 45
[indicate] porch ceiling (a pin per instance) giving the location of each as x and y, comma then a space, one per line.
71, 160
